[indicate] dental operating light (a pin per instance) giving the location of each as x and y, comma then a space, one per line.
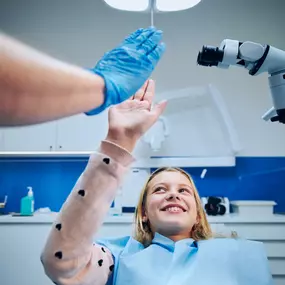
157, 5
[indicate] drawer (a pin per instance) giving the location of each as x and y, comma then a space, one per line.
258, 231
275, 248
277, 266
279, 280
219, 228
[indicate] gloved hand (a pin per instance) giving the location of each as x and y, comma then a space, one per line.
128, 66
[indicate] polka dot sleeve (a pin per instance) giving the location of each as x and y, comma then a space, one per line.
69, 256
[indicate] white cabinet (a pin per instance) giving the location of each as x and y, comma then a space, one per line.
198, 125
81, 132
78, 133
34, 138
194, 131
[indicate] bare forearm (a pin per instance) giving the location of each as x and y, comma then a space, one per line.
35, 87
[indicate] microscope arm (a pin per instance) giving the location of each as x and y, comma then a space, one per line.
257, 59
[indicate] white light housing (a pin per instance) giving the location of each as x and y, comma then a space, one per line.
160, 5
129, 5
175, 5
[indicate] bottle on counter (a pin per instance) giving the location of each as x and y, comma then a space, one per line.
28, 203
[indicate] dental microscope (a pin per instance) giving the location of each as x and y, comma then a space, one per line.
257, 58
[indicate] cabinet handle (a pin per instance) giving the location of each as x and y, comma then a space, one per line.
50, 148
60, 146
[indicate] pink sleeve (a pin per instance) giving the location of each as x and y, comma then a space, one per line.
69, 256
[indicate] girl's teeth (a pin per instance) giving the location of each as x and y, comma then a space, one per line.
174, 209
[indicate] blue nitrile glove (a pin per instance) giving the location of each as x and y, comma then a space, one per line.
128, 66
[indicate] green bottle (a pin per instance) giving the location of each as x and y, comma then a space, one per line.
27, 203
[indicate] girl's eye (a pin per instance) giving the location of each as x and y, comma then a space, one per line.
182, 190
159, 189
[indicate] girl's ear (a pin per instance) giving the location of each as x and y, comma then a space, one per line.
198, 219
144, 216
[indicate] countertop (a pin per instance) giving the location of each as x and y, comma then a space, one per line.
128, 219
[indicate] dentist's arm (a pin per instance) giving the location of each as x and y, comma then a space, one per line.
36, 88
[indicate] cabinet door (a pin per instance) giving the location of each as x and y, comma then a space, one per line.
31, 271
40, 137
81, 132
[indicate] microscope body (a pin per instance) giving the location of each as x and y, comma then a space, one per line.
257, 59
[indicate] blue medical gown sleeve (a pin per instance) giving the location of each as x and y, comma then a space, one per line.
253, 263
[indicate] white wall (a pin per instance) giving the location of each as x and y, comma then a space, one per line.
81, 31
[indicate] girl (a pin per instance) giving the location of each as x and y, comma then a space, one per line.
173, 242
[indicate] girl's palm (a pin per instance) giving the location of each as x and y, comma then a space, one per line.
135, 116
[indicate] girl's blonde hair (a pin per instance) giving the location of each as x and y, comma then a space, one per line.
143, 233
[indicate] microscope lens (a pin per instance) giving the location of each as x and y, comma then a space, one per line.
210, 56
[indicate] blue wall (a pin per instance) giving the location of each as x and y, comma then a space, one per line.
258, 178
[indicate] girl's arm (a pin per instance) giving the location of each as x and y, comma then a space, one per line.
70, 257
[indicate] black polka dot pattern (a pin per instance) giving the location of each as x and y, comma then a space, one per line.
81, 192
100, 262
106, 160
58, 227
58, 255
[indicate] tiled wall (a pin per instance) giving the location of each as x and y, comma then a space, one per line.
257, 178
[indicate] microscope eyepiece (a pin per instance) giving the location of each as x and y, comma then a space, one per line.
280, 116
210, 56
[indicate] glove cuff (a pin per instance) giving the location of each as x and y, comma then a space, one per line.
107, 102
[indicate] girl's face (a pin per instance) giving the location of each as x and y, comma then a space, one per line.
171, 208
